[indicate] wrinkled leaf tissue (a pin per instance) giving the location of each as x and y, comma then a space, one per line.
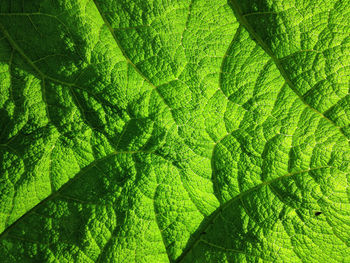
174, 131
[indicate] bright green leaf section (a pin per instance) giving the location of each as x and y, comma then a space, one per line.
309, 42
174, 131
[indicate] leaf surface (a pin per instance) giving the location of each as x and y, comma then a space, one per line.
174, 131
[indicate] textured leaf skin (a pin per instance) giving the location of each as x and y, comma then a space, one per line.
174, 131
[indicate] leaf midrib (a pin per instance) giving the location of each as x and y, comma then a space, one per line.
244, 22
67, 184
216, 213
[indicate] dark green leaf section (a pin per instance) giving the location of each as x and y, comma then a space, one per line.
174, 131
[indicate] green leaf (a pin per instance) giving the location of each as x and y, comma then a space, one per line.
174, 131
